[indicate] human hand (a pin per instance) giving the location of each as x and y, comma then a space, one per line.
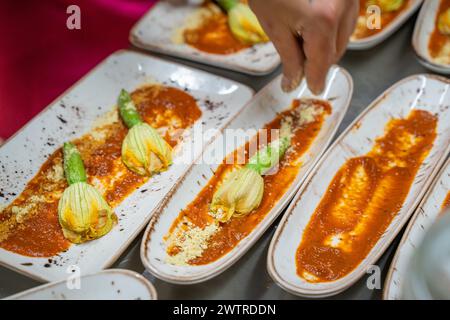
309, 35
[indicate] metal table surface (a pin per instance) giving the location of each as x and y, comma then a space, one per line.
373, 71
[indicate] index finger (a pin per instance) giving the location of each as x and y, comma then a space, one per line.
320, 51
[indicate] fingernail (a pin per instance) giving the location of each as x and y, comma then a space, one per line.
288, 85
285, 84
316, 89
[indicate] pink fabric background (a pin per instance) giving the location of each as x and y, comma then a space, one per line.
40, 57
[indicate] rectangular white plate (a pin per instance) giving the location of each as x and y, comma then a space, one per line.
425, 25
262, 109
425, 92
372, 41
112, 284
89, 99
155, 32
426, 214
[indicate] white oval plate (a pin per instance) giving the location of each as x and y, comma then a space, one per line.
425, 92
372, 41
155, 31
88, 100
425, 25
262, 109
425, 215
112, 284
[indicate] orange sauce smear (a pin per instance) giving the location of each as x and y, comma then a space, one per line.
213, 35
40, 234
437, 39
232, 232
446, 203
363, 198
386, 19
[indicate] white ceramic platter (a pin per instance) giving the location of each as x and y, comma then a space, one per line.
425, 215
80, 107
425, 92
262, 109
425, 25
374, 40
112, 284
156, 29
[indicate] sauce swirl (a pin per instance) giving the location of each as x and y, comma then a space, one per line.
363, 198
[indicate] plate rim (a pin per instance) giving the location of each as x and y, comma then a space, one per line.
320, 293
228, 262
411, 223
427, 63
376, 39
129, 273
135, 40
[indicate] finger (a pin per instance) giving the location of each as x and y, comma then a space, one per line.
293, 59
346, 28
320, 52
290, 50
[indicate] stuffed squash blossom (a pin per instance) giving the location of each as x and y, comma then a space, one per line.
243, 23
82, 212
144, 151
242, 190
